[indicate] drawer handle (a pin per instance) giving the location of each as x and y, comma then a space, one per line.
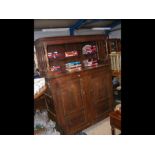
78, 75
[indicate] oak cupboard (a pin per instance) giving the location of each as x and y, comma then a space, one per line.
79, 98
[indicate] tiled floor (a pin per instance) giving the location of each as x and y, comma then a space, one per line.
100, 128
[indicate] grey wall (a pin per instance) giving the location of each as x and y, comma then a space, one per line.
41, 34
88, 32
116, 34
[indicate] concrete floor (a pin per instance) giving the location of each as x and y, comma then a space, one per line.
101, 128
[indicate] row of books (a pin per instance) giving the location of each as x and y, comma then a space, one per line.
86, 50
58, 55
74, 66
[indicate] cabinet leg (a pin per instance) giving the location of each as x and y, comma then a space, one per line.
113, 130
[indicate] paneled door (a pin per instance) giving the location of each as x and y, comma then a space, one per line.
70, 98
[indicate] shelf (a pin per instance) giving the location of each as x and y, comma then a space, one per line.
53, 75
64, 59
73, 57
46, 63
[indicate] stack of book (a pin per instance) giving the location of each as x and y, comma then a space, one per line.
71, 53
39, 84
73, 66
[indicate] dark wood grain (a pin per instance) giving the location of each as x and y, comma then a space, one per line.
76, 100
115, 121
116, 44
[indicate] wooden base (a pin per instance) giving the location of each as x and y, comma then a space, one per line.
115, 121
116, 73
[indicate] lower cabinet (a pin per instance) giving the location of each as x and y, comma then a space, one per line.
99, 94
80, 99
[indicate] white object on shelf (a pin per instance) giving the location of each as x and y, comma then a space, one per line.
38, 85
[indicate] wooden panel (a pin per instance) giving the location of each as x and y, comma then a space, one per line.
101, 108
99, 96
52, 116
77, 99
50, 104
97, 87
70, 97
40, 103
70, 103
119, 45
115, 119
76, 121
42, 59
114, 45
101, 45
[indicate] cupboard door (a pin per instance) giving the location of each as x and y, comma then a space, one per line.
71, 104
70, 96
99, 94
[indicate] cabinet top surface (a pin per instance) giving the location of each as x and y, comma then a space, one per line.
53, 40
51, 75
